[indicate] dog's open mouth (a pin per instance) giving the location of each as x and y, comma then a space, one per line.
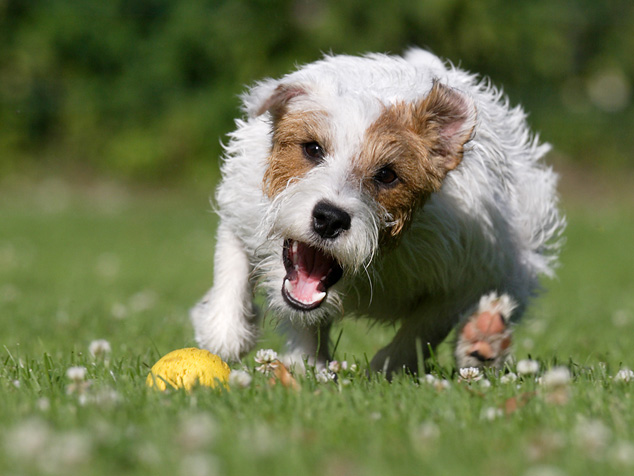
309, 274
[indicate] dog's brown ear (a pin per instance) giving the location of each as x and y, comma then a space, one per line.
276, 103
448, 117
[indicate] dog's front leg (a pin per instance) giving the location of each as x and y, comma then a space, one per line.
224, 320
307, 343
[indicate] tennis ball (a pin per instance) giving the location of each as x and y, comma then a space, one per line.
186, 368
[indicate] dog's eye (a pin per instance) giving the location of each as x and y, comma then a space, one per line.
313, 151
386, 177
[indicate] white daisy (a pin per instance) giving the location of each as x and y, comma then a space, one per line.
624, 375
324, 376
527, 367
76, 374
266, 358
556, 377
491, 413
470, 374
239, 378
337, 367
508, 378
99, 348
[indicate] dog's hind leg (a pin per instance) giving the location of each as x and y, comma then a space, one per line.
224, 320
483, 339
412, 344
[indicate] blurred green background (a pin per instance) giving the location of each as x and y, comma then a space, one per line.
145, 90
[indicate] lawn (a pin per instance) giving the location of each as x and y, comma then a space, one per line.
79, 264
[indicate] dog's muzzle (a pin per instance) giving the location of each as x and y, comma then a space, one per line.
330, 221
309, 274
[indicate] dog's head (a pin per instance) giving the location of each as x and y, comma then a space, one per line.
348, 167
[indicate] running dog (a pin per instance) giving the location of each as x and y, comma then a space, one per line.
402, 189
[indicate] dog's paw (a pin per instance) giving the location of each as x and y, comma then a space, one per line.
295, 361
484, 339
229, 335
395, 358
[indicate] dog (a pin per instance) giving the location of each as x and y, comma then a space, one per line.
403, 189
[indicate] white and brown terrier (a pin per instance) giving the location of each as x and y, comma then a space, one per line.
398, 188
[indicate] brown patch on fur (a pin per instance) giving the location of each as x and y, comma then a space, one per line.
421, 143
287, 161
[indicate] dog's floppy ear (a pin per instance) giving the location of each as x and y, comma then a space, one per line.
451, 117
271, 97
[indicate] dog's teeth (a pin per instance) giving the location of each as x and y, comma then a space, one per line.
287, 285
294, 255
320, 296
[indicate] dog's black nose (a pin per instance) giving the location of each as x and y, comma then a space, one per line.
330, 221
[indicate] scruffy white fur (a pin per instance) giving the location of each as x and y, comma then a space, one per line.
493, 226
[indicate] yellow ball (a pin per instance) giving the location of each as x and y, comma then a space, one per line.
185, 368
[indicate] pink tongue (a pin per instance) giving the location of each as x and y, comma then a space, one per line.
312, 266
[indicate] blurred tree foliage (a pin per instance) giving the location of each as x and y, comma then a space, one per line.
147, 88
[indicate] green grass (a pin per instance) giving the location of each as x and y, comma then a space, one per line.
106, 263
